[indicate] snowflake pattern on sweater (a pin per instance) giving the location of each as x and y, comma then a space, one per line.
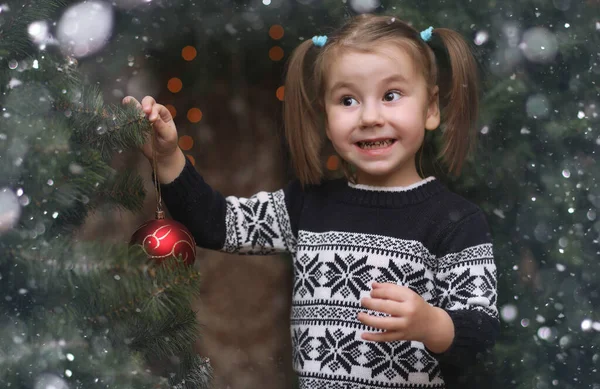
333, 270
342, 239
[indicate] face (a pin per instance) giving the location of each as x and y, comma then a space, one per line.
377, 110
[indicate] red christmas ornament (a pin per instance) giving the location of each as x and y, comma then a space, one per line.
163, 239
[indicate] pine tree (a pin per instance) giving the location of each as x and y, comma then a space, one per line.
78, 314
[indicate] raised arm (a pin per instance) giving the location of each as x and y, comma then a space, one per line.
261, 224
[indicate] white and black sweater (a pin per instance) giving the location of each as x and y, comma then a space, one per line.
344, 237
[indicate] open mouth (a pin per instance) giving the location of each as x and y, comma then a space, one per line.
380, 144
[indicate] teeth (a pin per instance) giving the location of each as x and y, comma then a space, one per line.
374, 145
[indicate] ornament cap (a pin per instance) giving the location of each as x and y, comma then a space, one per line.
160, 214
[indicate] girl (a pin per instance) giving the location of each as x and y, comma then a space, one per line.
394, 278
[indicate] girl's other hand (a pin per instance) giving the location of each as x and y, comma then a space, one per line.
410, 315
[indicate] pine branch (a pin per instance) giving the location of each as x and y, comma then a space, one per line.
167, 288
108, 129
172, 335
47, 336
126, 190
160, 300
55, 91
199, 374
59, 137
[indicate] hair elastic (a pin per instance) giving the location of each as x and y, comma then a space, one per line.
319, 40
426, 34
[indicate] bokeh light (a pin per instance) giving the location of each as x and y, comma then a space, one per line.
186, 142
175, 85
49, 380
189, 53
364, 6
333, 162
10, 209
509, 313
481, 37
194, 115
85, 28
39, 31
539, 45
171, 109
276, 32
276, 53
280, 93
537, 106
192, 159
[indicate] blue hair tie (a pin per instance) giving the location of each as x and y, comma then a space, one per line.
319, 41
426, 34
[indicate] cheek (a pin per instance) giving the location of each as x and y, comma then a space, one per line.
336, 124
408, 120
339, 139
343, 119
334, 134
410, 116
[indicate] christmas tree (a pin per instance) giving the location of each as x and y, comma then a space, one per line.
75, 313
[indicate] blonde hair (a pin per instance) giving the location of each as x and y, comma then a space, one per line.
446, 61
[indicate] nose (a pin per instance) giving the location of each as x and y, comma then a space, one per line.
371, 115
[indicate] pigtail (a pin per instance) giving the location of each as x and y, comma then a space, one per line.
459, 97
301, 121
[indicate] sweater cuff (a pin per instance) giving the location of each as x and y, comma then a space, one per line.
474, 332
192, 202
178, 191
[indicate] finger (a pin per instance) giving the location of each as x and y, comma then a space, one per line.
129, 99
382, 323
164, 113
160, 119
388, 336
137, 104
390, 291
160, 112
390, 307
147, 104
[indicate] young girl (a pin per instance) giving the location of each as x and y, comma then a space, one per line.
394, 278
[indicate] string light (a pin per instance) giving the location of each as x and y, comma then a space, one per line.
280, 93
276, 32
333, 162
174, 85
172, 110
186, 142
192, 159
189, 53
276, 53
194, 115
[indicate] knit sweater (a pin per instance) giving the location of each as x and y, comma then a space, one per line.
343, 237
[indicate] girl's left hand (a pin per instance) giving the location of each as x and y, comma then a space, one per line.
411, 316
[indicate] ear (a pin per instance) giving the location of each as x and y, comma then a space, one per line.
432, 121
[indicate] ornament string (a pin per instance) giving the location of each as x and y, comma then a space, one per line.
160, 214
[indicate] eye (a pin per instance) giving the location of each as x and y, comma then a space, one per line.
392, 96
348, 101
